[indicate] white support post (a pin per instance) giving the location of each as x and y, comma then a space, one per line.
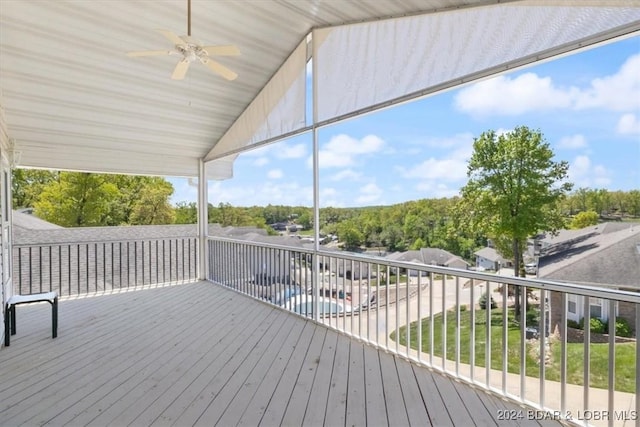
316, 179
203, 222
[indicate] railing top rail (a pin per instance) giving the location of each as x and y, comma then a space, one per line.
549, 285
90, 242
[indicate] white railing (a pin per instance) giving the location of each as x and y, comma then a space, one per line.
540, 361
81, 268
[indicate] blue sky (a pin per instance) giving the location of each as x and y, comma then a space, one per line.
587, 106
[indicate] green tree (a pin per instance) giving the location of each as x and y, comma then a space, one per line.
152, 206
28, 184
584, 219
349, 234
633, 203
305, 219
76, 199
186, 213
392, 238
514, 188
418, 244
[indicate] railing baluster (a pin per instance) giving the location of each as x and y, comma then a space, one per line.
612, 361
408, 319
30, 272
419, 315
543, 345
50, 269
40, 267
523, 346
587, 352
457, 326
487, 349
505, 336
472, 333
444, 324
431, 319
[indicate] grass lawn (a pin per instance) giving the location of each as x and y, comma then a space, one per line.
625, 352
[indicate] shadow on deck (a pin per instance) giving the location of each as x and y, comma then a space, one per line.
202, 354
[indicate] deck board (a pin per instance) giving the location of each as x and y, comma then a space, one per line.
202, 354
356, 397
296, 407
376, 406
267, 408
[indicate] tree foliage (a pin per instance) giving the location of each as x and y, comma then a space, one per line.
152, 205
73, 199
584, 219
515, 187
76, 199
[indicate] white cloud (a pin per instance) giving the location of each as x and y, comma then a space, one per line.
450, 169
285, 193
261, 161
584, 174
436, 189
512, 96
573, 142
456, 140
275, 174
504, 95
629, 124
329, 197
343, 150
617, 92
369, 194
290, 151
346, 174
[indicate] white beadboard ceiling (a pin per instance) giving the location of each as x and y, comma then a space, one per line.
72, 100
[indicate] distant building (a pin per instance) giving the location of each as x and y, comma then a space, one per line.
489, 259
606, 255
430, 256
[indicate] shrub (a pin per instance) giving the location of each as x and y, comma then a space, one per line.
483, 302
596, 325
573, 324
623, 329
463, 308
532, 318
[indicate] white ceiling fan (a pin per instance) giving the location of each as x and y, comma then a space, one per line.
192, 50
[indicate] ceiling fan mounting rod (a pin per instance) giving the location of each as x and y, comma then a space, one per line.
189, 18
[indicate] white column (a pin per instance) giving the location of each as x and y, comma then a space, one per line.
316, 179
203, 221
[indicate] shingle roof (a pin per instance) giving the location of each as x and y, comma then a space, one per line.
33, 236
605, 257
427, 256
490, 253
25, 220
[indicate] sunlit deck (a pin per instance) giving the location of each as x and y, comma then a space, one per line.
202, 354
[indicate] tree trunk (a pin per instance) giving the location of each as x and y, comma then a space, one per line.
516, 273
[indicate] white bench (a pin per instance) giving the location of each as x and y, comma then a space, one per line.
10, 312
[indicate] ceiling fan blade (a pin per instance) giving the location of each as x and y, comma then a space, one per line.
180, 70
229, 50
220, 69
149, 53
169, 35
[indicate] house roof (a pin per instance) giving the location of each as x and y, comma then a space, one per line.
429, 256
72, 100
25, 220
489, 253
28, 235
606, 258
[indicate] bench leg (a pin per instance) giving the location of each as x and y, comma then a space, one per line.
12, 312
54, 317
7, 328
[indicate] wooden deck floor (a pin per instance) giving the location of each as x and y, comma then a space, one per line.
199, 354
